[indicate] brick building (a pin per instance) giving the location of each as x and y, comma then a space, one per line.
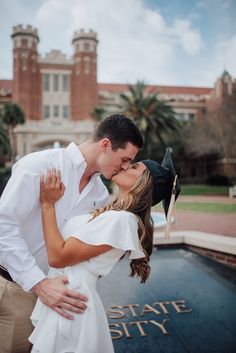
58, 94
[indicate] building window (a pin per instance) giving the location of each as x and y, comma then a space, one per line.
185, 116
56, 111
24, 57
78, 60
191, 116
24, 148
46, 82
87, 64
46, 111
24, 43
86, 46
65, 83
55, 82
65, 111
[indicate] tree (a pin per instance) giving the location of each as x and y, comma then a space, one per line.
223, 123
98, 113
199, 140
154, 118
12, 115
209, 142
215, 135
5, 146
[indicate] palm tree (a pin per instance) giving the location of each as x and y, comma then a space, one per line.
5, 146
154, 118
98, 113
12, 115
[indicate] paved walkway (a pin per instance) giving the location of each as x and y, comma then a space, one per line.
223, 224
217, 199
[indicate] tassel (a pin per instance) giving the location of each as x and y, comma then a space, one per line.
170, 209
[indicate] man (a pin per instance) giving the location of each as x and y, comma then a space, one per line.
23, 257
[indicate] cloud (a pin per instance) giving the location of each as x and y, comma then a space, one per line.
11, 14
135, 41
227, 4
226, 54
189, 38
223, 54
201, 4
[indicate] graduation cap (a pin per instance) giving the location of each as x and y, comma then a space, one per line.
166, 185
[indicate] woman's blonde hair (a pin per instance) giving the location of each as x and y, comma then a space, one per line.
138, 200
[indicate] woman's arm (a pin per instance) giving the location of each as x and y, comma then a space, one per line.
61, 253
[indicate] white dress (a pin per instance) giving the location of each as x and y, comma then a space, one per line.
88, 332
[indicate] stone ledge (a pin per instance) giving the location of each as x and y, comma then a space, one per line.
215, 242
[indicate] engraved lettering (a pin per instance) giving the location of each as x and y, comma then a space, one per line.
131, 307
148, 309
124, 325
139, 325
179, 306
117, 332
162, 306
120, 313
161, 326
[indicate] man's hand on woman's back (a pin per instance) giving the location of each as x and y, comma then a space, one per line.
56, 295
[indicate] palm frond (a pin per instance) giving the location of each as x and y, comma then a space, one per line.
154, 118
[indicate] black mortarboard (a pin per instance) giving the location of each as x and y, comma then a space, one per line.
164, 178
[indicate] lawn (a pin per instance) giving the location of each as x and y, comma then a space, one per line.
206, 207
211, 207
205, 190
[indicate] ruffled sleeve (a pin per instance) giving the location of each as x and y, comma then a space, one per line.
118, 229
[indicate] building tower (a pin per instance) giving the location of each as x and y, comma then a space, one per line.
84, 95
224, 85
26, 77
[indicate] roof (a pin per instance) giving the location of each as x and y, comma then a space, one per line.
6, 84
119, 87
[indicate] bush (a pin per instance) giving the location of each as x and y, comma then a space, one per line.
5, 174
192, 180
107, 183
218, 180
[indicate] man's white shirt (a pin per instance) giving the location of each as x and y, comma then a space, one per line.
22, 247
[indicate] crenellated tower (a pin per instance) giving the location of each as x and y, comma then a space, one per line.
27, 79
84, 95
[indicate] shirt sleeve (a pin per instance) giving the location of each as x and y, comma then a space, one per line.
19, 199
118, 229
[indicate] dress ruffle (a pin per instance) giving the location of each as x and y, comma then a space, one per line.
116, 228
88, 332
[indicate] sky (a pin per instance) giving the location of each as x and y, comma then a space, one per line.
176, 42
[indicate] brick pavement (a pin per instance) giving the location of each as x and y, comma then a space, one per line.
223, 224
217, 199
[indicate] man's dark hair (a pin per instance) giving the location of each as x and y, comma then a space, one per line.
120, 130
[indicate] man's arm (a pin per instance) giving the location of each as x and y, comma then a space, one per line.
19, 199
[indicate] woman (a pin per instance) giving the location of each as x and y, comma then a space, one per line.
89, 246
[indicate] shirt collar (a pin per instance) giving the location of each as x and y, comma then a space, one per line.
77, 158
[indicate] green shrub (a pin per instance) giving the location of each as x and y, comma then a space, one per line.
5, 174
218, 180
